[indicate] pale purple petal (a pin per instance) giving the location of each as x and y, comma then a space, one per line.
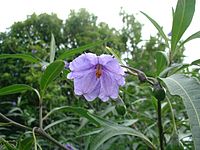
93, 94
79, 74
83, 62
104, 59
109, 87
85, 84
111, 64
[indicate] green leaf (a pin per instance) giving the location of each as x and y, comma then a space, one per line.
114, 53
16, 88
80, 111
110, 132
26, 143
52, 48
51, 72
70, 53
7, 144
192, 37
58, 122
182, 18
161, 62
196, 62
25, 57
158, 27
188, 89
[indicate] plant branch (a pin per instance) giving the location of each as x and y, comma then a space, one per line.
14, 123
172, 114
141, 75
160, 128
47, 136
36, 129
40, 114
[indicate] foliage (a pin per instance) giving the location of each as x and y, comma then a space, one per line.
39, 104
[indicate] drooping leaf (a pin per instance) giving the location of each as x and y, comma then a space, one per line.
68, 54
188, 89
51, 72
80, 111
161, 62
182, 18
7, 144
52, 48
196, 62
26, 143
192, 37
13, 89
158, 27
25, 57
114, 53
112, 131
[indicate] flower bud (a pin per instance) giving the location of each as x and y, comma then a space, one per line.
158, 92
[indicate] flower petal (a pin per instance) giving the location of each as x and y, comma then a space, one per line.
109, 87
79, 74
93, 94
111, 64
83, 62
85, 84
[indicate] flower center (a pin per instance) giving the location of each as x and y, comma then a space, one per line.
98, 71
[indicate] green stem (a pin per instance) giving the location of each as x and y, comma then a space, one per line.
36, 129
172, 114
14, 123
160, 128
40, 115
47, 136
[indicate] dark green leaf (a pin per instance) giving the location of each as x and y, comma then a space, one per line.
26, 143
7, 144
196, 62
182, 18
52, 48
161, 62
112, 131
192, 37
158, 27
188, 89
80, 111
25, 57
51, 72
70, 53
16, 88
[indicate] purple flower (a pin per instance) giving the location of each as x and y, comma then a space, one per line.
169, 34
96, 76
69, 147
66, 65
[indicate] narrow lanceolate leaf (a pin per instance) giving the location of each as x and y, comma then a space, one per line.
13, 89
110, 132
161, 61
192, 37
158, 27
68, 54
182, 18
188, 89
52, 48
51, 72
80, 111
7, 145
25, 57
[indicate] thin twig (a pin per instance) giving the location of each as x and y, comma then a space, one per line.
36, 129
14, 123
